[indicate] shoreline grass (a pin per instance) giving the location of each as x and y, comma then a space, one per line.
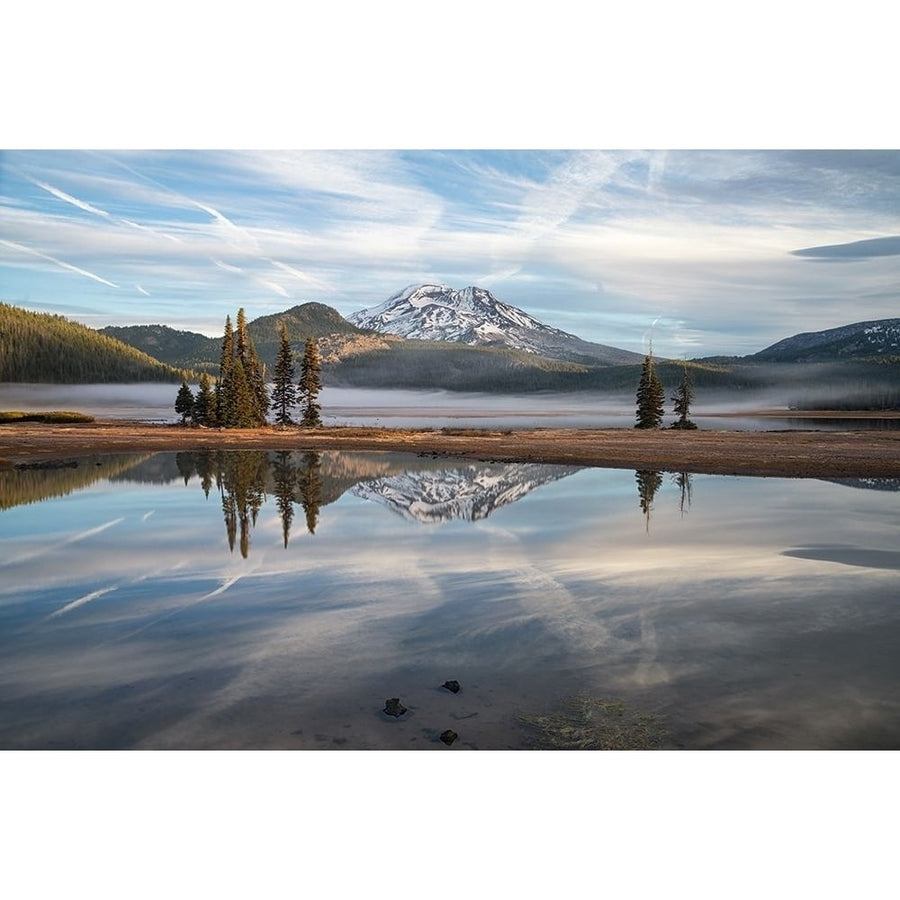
53, 417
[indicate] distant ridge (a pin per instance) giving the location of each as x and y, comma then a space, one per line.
879, 337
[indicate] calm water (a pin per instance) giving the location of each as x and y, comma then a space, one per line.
257, 600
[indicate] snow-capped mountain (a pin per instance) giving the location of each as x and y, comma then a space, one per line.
467, 492
436, 312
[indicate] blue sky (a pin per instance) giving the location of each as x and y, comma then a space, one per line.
717, 252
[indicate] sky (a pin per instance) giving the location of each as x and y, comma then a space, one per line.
707, 252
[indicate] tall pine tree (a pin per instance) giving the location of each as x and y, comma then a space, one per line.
254, 371
244, 415
225, 412
284, 391
650, 396
310, 384
684, 395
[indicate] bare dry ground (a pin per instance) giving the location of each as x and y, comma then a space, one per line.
805, 454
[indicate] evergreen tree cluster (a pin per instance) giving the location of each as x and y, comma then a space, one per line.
240, 398
651, 398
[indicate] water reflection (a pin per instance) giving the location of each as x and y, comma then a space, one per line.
650, 481
434, 493
768, 617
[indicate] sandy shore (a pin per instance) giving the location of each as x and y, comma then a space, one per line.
805, 454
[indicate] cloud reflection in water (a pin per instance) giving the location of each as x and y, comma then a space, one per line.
706, 614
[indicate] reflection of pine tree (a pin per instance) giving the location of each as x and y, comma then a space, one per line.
284, 475
648, 483
683, 482
229, 511
242, 479
186, 464
309, 483
206, 466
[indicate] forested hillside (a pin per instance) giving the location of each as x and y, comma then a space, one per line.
453, 366
39, 347
190, 350
181, 349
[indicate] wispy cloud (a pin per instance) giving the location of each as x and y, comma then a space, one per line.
29, 250
68, 198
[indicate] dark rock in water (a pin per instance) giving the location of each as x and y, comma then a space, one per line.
452, 686
448, 737
394, 707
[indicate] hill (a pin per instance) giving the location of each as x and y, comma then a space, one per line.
861, 340
190, 350
182, 349
39, 347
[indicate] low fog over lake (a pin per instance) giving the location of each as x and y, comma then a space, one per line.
153, 402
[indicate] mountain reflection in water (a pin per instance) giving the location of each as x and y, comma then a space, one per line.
245, 479
576, 608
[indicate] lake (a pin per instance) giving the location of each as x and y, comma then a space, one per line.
251, 599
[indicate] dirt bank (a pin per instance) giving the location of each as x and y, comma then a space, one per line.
806, 454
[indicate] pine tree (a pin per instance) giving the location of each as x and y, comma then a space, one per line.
650, 396
184, 402
284, 391
682, 399
244, 409
310, 384
225, 412
204, 403
254, 370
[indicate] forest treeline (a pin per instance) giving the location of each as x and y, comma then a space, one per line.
40, 347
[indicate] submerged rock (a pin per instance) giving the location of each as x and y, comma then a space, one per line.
394, 707
452, 686
448, 737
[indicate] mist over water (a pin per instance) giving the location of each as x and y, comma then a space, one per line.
153, 402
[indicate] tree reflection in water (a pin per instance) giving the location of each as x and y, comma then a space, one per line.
243, 480
650, 481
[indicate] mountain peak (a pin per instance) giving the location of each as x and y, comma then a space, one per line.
473, 315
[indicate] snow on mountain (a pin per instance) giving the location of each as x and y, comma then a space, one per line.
874, 338
469, 492
436, 312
